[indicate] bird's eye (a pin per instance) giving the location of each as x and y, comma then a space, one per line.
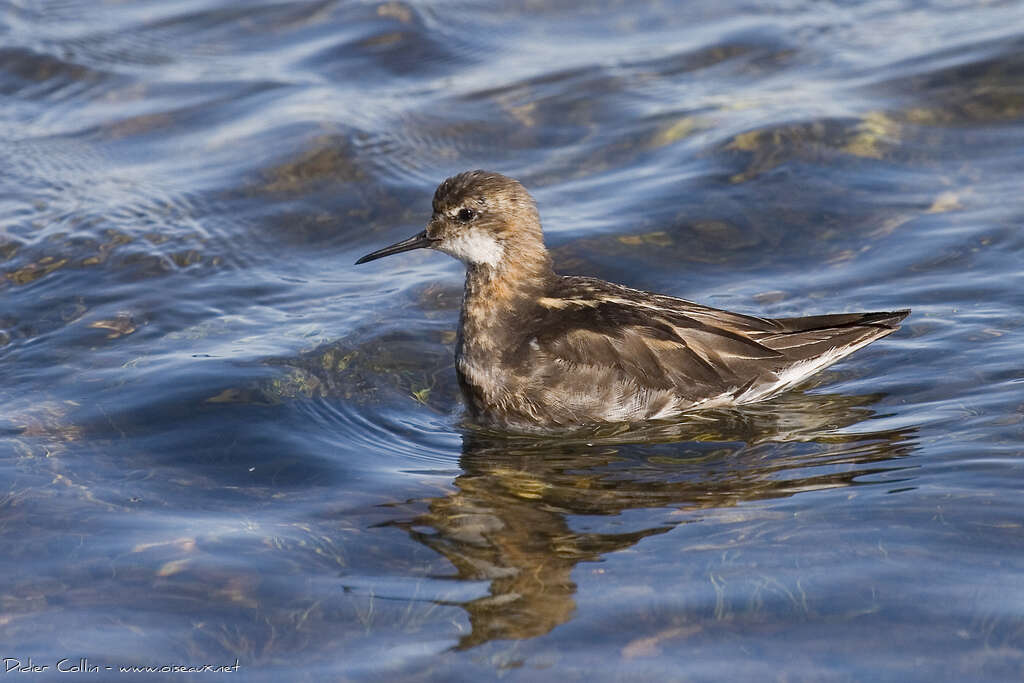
465, 215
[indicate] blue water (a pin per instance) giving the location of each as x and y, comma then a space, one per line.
222, 442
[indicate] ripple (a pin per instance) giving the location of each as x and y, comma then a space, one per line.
34, 76
222, 440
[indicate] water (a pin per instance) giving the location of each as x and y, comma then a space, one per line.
221, 442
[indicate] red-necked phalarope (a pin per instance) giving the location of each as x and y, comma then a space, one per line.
536, 349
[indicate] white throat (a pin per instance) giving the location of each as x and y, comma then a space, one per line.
474, 247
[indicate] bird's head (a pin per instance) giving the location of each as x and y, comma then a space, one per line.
486, 220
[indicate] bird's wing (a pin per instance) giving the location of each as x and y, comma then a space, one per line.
664, 342
805, 338
656, 349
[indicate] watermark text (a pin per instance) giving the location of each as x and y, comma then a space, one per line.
82, 665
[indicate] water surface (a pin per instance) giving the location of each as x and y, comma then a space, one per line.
221, 441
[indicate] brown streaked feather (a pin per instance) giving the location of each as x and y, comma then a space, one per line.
639, 353
810, 336
662, 342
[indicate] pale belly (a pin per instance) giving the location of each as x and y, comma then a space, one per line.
546, 396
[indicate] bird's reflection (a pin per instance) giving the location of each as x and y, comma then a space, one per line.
507, 521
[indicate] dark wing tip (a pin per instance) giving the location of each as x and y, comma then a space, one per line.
885, 319
837, 321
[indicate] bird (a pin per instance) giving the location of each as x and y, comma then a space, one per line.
538, 351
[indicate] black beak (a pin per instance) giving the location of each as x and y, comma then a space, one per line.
415, 242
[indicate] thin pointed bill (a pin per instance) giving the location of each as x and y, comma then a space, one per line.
418, 241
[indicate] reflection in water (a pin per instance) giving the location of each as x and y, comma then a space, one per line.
508, 521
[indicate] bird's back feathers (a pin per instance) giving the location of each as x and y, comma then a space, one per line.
655, 344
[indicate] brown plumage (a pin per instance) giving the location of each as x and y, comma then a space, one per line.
538, 350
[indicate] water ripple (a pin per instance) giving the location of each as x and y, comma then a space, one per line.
222, 440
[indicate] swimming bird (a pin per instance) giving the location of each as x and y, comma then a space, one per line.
537, 350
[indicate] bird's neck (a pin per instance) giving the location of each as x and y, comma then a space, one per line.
499, 301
